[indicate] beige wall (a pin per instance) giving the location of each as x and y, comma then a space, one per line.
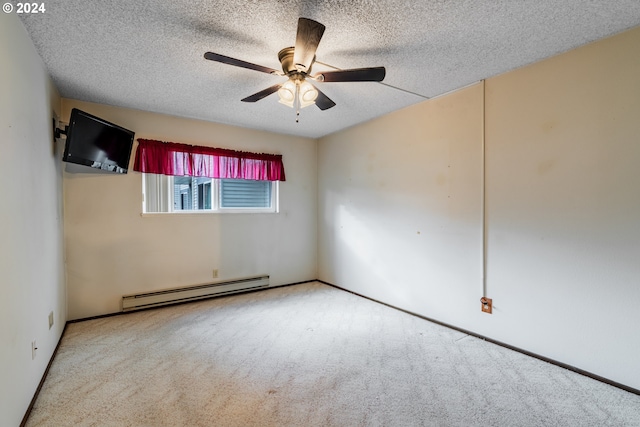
562, 208
112, 250
563, 168
400, 207
31, 254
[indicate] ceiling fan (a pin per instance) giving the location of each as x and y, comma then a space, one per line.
296, 65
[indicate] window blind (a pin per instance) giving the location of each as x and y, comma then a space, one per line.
242, 193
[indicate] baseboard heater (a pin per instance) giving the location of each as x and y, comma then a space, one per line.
192, 293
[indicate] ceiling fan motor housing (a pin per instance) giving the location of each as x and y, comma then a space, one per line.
285, 56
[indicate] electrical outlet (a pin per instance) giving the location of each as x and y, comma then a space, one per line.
487, 305
50, 320
34, 347
215, 273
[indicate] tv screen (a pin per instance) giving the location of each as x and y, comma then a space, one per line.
97, 143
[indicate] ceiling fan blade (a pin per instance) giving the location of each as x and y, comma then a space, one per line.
239, 63
307, 40
262, 94
374, 74
323, 101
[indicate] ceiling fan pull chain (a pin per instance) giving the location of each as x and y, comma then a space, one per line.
297, 101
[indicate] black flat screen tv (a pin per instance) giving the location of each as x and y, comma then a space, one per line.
94, 142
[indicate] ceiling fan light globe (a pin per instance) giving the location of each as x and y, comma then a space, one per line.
308, 97
287, 93
308, 94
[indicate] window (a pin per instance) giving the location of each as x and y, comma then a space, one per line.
186, 178
174, 194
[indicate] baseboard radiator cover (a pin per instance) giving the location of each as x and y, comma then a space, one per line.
192, 293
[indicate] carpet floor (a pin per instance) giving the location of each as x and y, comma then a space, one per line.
307, 355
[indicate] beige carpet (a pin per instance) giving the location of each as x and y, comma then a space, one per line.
307, 355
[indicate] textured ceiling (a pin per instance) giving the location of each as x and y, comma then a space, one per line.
148, 54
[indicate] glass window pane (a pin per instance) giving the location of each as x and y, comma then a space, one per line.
191, 193
182, 193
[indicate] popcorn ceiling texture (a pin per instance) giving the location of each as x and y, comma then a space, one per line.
148, 55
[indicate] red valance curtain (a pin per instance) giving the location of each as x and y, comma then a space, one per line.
171, 158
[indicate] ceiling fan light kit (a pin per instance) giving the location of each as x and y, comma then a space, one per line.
297, 62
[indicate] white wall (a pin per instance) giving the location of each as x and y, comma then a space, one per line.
563, 208
112, 250
31, 255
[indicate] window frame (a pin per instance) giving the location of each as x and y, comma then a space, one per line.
168, 200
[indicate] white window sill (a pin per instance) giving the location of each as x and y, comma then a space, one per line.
207, 212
